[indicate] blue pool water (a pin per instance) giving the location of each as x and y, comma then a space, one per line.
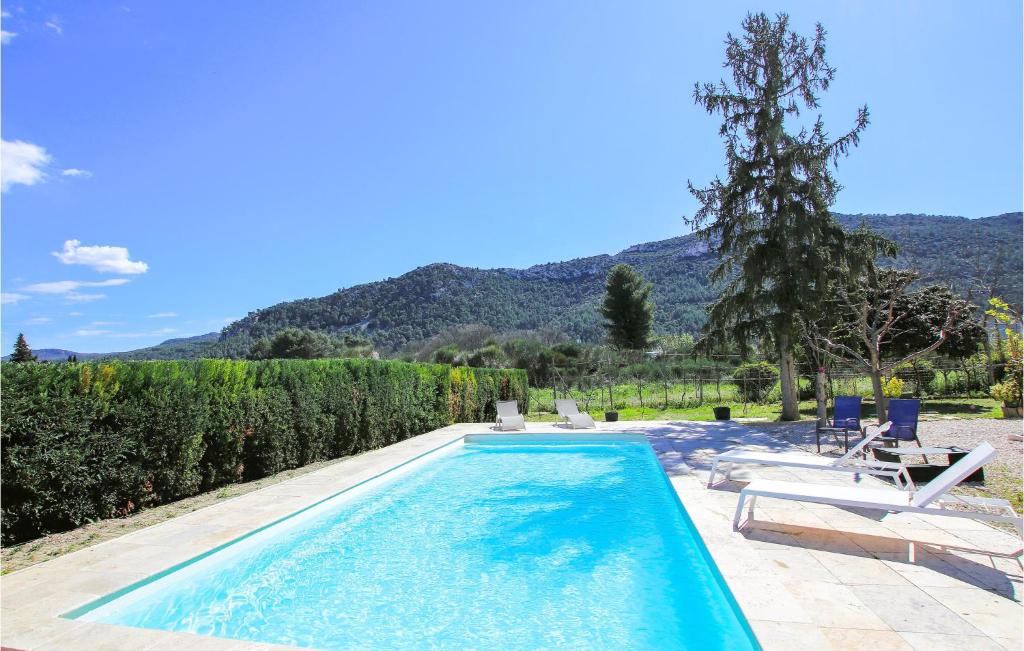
490, 545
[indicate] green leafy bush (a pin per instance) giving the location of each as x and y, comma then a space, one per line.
1007, 392
755, 380
893, 388
919, 372
87, 441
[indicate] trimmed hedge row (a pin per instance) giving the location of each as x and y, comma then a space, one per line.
96, 440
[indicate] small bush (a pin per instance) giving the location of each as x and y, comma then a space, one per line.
755, 380
893, 388
1008, 393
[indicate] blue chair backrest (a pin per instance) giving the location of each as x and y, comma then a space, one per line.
903, 413
846, 412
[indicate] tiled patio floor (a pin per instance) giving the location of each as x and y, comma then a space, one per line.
807, 576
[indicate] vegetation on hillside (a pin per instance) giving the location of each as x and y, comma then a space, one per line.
564, 297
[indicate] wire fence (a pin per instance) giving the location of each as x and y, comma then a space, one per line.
667, 384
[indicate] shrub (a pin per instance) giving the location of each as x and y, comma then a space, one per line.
1007, 392
95, 440
755, 380
893, 388
445, 355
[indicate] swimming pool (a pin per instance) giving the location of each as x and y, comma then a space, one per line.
511, 542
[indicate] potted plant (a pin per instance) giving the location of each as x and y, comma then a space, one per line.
1008, 392
611, 415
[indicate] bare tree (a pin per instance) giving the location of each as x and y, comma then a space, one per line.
868, 315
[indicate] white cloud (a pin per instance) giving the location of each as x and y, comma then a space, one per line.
105, 323
74, 171
88, 332
152, 333
68, 286
5, 14
162, 315
7, 298
74, 314
21, 162
112, 259
5, 37
55, 26
83, 298
38, 320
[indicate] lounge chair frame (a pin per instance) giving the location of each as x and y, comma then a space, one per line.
918, 502
508, 418
846, 463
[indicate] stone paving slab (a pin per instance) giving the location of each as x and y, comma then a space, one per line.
807, 576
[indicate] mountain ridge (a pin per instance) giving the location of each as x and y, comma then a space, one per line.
403, 309
396, 311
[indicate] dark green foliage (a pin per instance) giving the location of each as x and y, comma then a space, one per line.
95, 440
929, 311
22, 353
303, 343
769, 220
626, 309
755, 380
445, 355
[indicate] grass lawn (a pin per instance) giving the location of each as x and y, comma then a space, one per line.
932, 409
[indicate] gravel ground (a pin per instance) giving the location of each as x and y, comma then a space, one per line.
966, 433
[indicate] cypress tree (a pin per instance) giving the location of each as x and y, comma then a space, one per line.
769, 220
22, 353
626, 308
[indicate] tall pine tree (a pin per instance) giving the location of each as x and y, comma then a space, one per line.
626, 308
769, 220
22, 353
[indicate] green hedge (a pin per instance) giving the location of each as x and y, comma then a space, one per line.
88, 441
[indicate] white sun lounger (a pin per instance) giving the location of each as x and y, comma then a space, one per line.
846, 463
509, 417
570, 413
931, 499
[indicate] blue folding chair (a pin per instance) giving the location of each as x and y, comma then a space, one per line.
845, 419
904, 414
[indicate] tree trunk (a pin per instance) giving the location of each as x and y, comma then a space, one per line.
787, 381
821, 397
987, 343
876, 388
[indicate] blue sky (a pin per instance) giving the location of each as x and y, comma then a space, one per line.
191, 161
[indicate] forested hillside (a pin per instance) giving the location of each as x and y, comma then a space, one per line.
962, 252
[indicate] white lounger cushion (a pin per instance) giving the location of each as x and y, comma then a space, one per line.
829, 494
